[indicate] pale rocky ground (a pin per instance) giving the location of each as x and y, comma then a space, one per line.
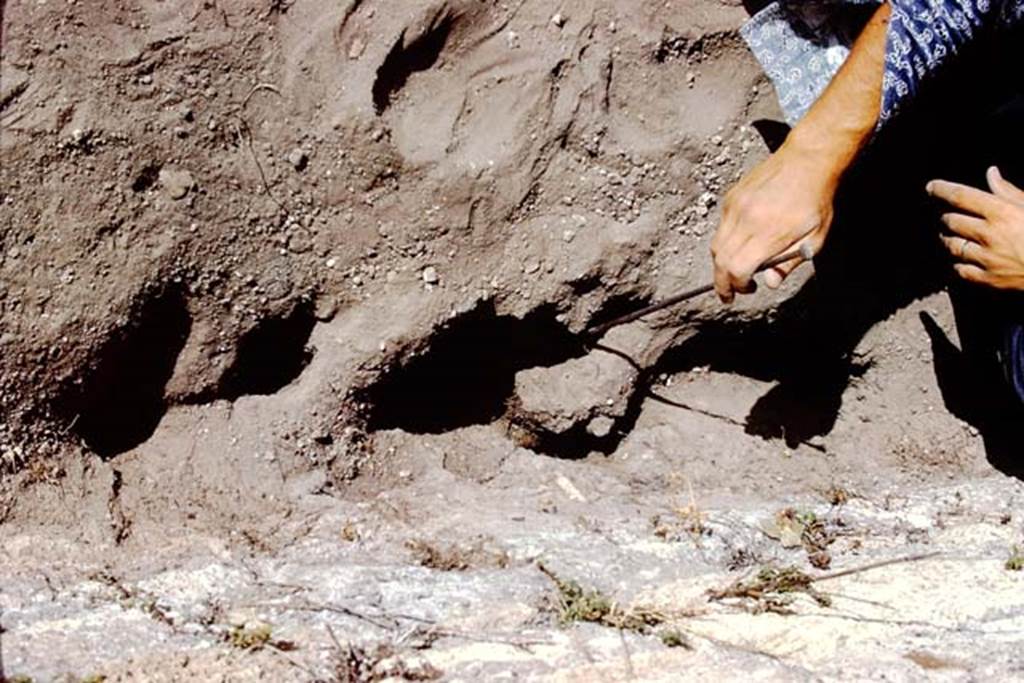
956, 615
294, 384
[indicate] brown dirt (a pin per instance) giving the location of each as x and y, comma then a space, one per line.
273, 273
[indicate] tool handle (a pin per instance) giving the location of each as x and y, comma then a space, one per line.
804, 253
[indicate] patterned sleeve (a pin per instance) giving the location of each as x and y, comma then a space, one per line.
802, 44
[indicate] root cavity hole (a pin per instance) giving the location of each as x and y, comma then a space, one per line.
467, 375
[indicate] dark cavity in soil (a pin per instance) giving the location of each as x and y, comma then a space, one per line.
271, 355
616, 306
406, 59
121, 401
468, 373
146, 178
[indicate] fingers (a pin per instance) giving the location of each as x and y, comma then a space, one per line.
965, 250
721, 275
965, 197
722, 288
723, 278
729, 270
972, 273
727, 285
774, 276
1001, 187
734, 268
731, 278
971, 227
737, 275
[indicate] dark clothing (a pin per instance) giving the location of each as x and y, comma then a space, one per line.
802, 44
1013, 358
1003, 146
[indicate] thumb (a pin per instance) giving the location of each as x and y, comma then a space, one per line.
774, 276
1001, 187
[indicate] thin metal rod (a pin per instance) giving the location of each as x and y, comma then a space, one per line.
804, 253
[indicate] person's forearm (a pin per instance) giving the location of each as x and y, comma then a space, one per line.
786, 201
843, 119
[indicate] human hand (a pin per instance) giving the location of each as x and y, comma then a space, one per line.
783, 203
786, 201
989, 241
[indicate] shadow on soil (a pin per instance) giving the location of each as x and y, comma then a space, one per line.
468, 374
121, 401
271, 355
119, 404
883, 254
974, 391
408, 56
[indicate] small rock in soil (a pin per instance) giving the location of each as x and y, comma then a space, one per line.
430, 275
356, 48
298, 159
176, 181
300, 242
326, 308
600, 426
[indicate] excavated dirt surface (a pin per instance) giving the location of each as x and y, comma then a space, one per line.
294, 384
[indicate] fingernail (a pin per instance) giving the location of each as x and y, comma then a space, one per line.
930, 187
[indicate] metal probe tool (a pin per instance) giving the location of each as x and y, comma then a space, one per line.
804, 253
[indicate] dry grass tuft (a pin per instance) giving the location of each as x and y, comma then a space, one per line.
576, 604
772, 590
456, 558
674, 638
250, 637
1015, 562
355, 664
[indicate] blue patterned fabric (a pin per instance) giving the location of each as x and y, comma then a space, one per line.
802, 43
1013, 359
